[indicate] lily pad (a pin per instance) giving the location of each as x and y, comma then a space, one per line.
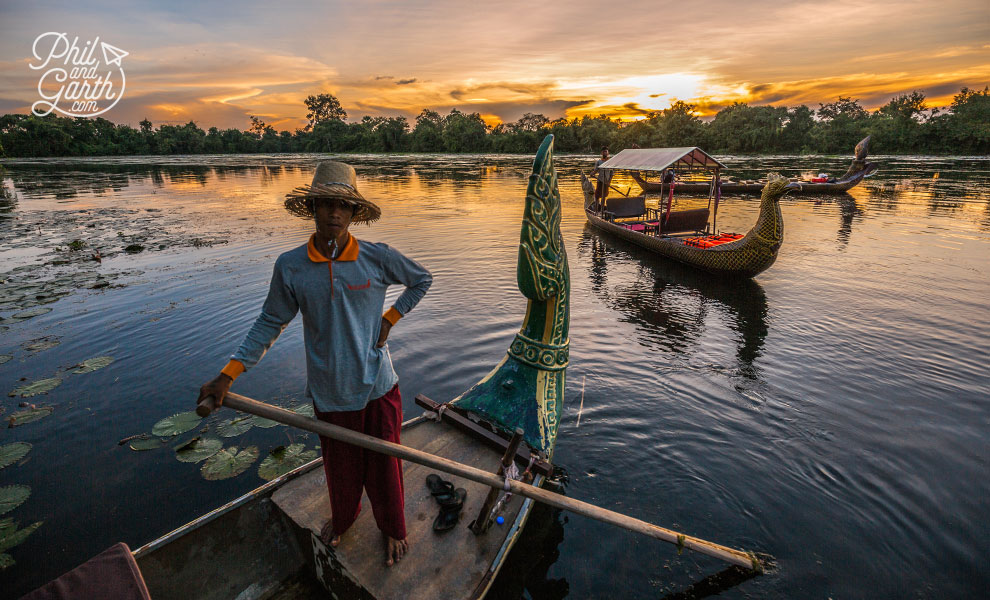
11, 496
304, 409
6, 560
176, 424
11, 536
229, 463
147, 443
11, 453
235, 427
29, 415
197, 449
281, 460
264, 423
39, 345
31, 312
93, 364
42, 386
4, 358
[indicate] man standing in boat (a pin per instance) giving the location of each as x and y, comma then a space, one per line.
603, 178
339, 284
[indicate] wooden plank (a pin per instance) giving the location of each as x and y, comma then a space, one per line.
449, 565
458, 417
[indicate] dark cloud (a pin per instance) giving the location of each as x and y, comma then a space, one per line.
505, 111
530, 89
380, 77
635, 109
405, 81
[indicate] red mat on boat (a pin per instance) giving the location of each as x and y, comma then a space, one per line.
110, 574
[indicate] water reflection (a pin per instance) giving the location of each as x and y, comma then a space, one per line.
674, 302
849, 211
525, 573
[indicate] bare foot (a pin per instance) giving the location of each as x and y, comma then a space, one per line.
326, 534
394, 550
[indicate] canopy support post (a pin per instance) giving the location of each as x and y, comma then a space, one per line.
718, 196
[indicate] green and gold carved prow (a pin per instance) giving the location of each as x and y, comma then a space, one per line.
526, 389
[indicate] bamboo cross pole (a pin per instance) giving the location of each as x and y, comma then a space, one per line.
287, 417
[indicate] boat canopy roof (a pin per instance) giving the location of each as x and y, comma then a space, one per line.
658, 159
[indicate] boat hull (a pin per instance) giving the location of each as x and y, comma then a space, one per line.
266, 543
742, 258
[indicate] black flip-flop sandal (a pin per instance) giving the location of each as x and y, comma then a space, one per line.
450, 513
446, 520
455, 502
442, 490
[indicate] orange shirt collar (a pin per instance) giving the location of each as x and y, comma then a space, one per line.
349, 253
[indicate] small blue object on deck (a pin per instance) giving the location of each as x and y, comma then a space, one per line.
500, 519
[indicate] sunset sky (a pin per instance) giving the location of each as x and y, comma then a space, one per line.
216, 63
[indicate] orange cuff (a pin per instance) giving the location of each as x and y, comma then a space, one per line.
233, 369
392, 316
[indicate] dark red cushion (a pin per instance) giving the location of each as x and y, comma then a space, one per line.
110, 574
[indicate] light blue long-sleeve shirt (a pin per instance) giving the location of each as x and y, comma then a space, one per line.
341, 303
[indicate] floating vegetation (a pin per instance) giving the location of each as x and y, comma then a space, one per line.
264, 423
11, 536
134, 248
235, 427
281, 460
4, 358
11, 453
176, 424
93, 364
29, 415
197, 449
31, 313
41, 344
12, 496
42, 386
229, 463
77, 245
140, 444
304, 409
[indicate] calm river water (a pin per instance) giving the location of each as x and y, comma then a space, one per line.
833, 413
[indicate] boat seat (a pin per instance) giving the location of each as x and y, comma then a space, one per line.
624, 208
683, 220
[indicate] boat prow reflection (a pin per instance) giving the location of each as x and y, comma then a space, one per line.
673, 303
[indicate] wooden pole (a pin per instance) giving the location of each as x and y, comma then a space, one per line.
484, 520
287, 417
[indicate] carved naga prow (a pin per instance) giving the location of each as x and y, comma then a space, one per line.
538, 356
859, 165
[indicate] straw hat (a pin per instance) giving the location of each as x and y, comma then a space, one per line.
332, 180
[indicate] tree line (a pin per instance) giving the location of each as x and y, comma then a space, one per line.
905, 125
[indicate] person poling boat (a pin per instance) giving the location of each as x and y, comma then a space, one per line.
603, 177
338, 283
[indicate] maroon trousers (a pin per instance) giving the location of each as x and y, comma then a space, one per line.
350, 469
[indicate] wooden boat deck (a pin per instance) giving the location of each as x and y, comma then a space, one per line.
439, 565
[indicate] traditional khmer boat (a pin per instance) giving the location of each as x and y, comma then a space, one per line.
685, 235
266, 544
859, 170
